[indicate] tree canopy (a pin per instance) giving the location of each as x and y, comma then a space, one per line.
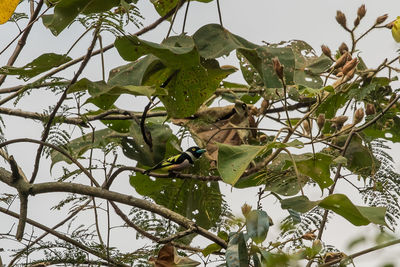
300, 121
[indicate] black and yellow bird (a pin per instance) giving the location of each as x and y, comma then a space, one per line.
180, 161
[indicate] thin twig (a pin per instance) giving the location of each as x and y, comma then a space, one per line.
185, 17
22, 41
60, 101
219, 14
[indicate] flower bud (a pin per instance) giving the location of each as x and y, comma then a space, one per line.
341, 61
351, 73
278, 67
361, 11
327, 52
264, 106
350, 65
370, 109
246, 209
307, 127
343, 48
309, 236
357, 21
338, 122
341, 18
321, 121
381, 19
358, 115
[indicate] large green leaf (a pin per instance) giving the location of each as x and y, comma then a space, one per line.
357, 215
234, 160
165, 6
341, 205
316, 167
192, 199
66, 11
134, 146
236, 253
213, 41
360, 159
41, 64
257, 225
135, 73
79, 146
175, 52
190, 87
103, 95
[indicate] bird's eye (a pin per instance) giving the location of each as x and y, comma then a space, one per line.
193, 149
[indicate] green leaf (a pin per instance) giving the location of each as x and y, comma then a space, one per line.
357, 215
234, 160
39, 65
213, 41
211, 249
257, 225
387, 127
175, 52
134, 147
341, 205
300, 203
236, 252
164, 6
135, 73
66, 11
317, 168
77, 147
104, 96
192, 199
360, 158
190, 88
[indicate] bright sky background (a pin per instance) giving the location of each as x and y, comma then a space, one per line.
256, 20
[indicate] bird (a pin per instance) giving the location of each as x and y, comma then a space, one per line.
180, 161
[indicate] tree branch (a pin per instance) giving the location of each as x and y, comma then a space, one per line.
61, 100
22, 41
64, 237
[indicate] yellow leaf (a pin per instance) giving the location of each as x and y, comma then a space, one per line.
7, 8
396, 30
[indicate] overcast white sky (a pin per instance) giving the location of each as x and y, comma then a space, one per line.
256, 20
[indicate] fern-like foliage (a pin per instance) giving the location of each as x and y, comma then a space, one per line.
383, 188
292, 230
114, 21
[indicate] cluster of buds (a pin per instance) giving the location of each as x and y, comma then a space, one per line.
341, 19
264, 106
370, 109
321, 121
358, 116
360, 14
338, 122
246, 209
381, 19
309, 235
343, 48
331, 256
327, 52
307, 127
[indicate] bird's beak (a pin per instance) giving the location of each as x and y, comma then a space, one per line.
201, 151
